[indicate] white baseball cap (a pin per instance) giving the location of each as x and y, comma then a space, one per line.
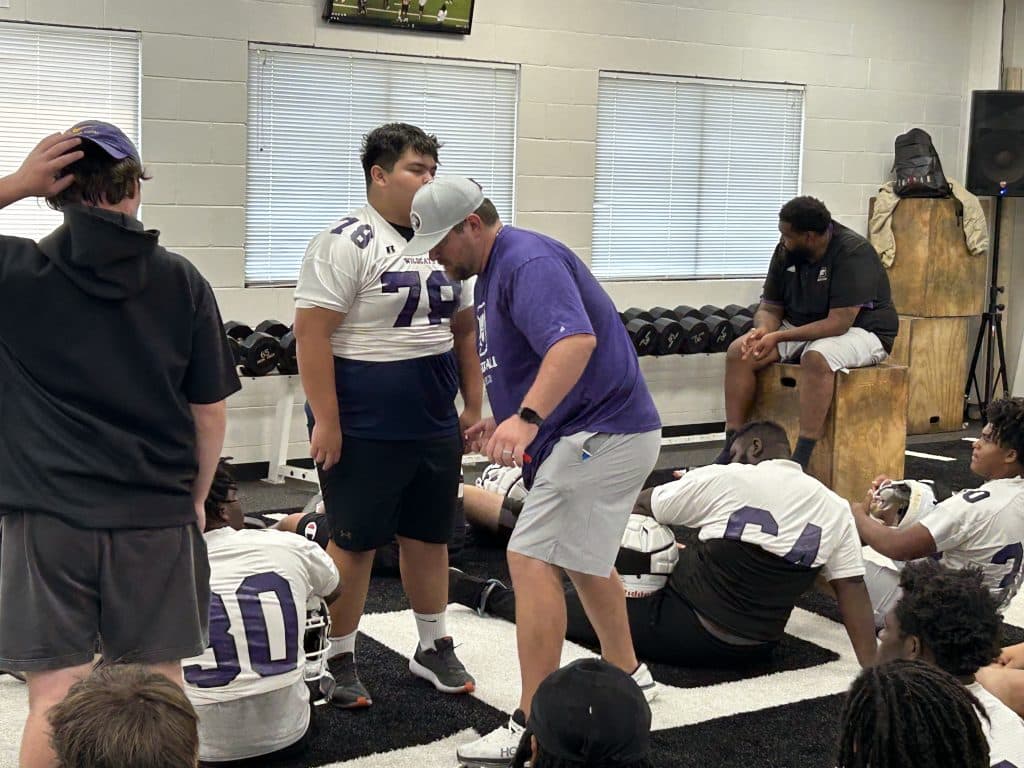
439, 206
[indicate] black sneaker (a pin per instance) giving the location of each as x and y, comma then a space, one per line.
341, 686
470, 591
441, 667
15, 675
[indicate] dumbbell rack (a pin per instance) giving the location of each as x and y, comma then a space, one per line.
278, 468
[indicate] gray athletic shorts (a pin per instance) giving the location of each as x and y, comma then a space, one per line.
856, 348
883, 584
577, 510
143, 593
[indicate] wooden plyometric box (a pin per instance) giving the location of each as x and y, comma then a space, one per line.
865, 432
934, 275
934, 349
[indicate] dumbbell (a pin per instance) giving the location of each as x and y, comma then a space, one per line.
720, 330
288, 362
670, 331
257, 352
640, 326
695, 330
731, 310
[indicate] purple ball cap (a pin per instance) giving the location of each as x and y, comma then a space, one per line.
107, 137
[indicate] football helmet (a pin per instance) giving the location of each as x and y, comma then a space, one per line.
315, 641
505, 481
647, 556
902, 503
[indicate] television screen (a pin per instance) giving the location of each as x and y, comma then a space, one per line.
454, 16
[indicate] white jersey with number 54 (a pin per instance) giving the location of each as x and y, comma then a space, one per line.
396, 307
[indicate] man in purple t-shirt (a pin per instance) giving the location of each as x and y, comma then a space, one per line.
570, 406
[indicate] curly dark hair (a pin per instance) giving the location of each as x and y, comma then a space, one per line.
910, 713
953, 613
806, 214
220, 489
385, 144
1007, 419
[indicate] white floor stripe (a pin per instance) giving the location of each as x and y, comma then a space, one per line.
931, 456
439, 754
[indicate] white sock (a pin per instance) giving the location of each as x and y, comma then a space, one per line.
343, 644
431, 627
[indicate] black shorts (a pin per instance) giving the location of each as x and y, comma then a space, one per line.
383, 488
144, 593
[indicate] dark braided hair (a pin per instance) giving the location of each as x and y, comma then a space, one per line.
953, 613
1007, 419
221, 487
906, 714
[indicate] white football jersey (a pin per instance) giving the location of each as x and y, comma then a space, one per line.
772, 505
260, 582
1003, 729
983, 527
396, 307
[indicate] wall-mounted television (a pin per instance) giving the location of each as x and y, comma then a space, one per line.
453, 16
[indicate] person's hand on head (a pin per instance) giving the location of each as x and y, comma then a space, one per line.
40, 172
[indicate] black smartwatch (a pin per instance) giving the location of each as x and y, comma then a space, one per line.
530, 416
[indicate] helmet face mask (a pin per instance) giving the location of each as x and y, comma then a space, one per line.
315, 641
901, 503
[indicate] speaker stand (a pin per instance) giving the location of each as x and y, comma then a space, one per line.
990, 333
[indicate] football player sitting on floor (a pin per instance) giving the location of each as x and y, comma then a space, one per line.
948, 618
249, 687
766, 530
982, 526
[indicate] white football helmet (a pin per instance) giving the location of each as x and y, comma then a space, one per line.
506, 481
647, 556
902, 503
315, 641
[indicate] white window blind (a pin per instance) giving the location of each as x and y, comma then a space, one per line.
50, 79
691, 175
308, 112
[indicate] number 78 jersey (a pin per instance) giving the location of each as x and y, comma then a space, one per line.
396, 307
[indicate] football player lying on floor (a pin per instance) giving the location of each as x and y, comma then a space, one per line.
249, 687
766, 530
983, 526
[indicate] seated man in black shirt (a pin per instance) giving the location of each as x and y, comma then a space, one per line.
826, 303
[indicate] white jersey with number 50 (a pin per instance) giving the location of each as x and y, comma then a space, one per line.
396, 307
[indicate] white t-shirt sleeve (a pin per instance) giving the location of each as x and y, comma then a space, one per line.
331, 274
846, 560
945, 522
323, 574
687, 500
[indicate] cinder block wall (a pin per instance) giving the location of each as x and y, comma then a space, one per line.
873, 68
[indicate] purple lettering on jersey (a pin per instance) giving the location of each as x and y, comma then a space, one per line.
805, 551
1013, 552
392, 282
440, 307
255, 623
741, 518
224, 651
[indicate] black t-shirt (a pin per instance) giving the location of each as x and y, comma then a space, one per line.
105, 340
850, 274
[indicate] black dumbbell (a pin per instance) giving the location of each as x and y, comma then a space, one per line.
721, 333
731, 310
684, 310
753, 308
288, 362
741, 323
640, 326
670, 332
257, 352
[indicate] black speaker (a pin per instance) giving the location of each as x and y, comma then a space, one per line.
995, 157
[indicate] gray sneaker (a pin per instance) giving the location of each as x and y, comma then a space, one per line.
441, 667
341, 685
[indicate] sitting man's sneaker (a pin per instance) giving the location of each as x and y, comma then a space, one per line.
497, 748
341, 686
643, 678
470, 591
441, 667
